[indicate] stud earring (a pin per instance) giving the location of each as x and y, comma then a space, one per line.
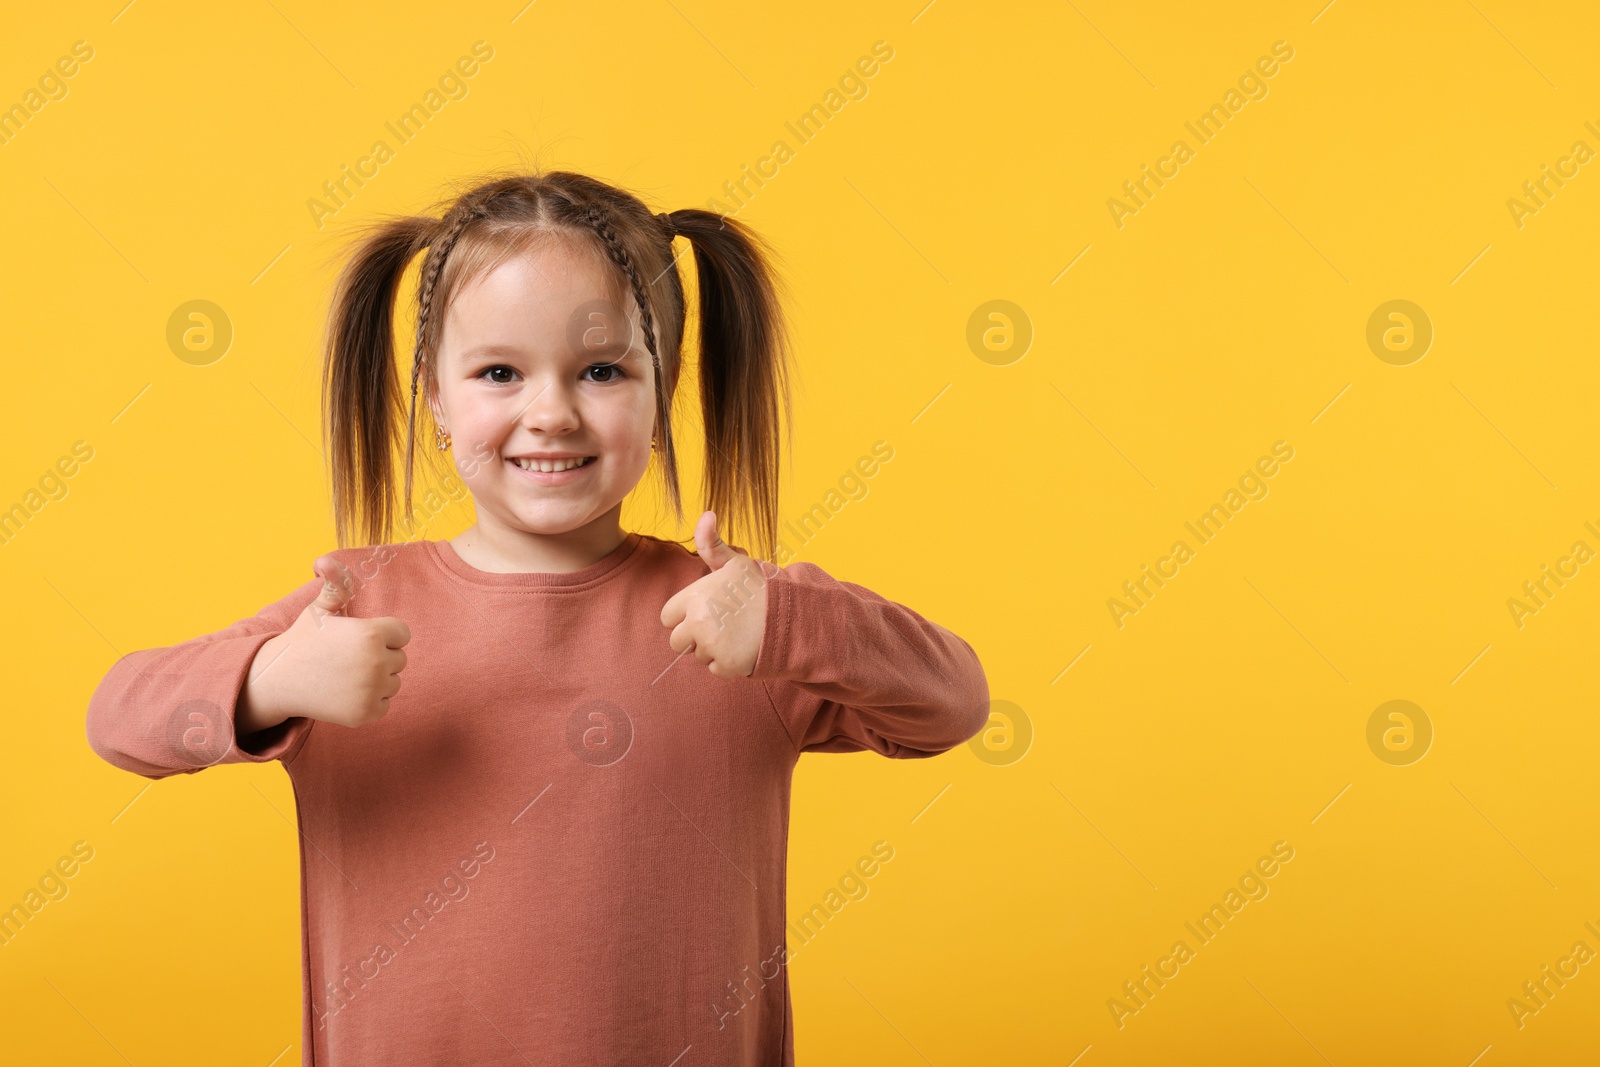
443, 438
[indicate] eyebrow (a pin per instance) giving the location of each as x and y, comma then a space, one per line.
612, 350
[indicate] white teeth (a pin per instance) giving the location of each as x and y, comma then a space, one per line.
550, 466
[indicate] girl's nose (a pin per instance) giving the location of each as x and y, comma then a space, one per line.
550, 409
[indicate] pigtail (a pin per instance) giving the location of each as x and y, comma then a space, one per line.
362, 405
744, 373
743, 365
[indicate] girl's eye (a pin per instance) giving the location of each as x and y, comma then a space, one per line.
611, 371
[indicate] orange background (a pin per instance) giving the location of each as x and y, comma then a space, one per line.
1043, 456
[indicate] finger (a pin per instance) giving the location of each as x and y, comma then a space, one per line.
708, 541
682, 638
394, 660
396, 634
337, 585
673, 611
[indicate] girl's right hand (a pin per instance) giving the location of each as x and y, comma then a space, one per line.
325, 666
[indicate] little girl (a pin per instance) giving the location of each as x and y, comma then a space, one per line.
560, 841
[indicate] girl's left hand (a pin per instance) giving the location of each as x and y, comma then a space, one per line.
722, 615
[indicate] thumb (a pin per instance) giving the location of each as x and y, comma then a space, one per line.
337, 589
709, 542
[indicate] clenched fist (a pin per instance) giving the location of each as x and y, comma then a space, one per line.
325, 666
722, 615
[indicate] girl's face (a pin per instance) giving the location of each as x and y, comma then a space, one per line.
538, 362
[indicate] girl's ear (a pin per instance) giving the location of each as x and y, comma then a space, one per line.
433, 405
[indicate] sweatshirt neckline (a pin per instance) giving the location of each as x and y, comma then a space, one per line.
445, 556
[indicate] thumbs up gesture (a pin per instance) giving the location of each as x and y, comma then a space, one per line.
326, 666
721, 616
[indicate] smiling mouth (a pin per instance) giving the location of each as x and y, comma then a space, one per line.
551, 466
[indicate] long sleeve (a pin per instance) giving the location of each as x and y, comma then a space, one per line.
165, 711
848, 670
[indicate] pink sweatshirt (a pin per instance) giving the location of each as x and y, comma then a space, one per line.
558, 846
